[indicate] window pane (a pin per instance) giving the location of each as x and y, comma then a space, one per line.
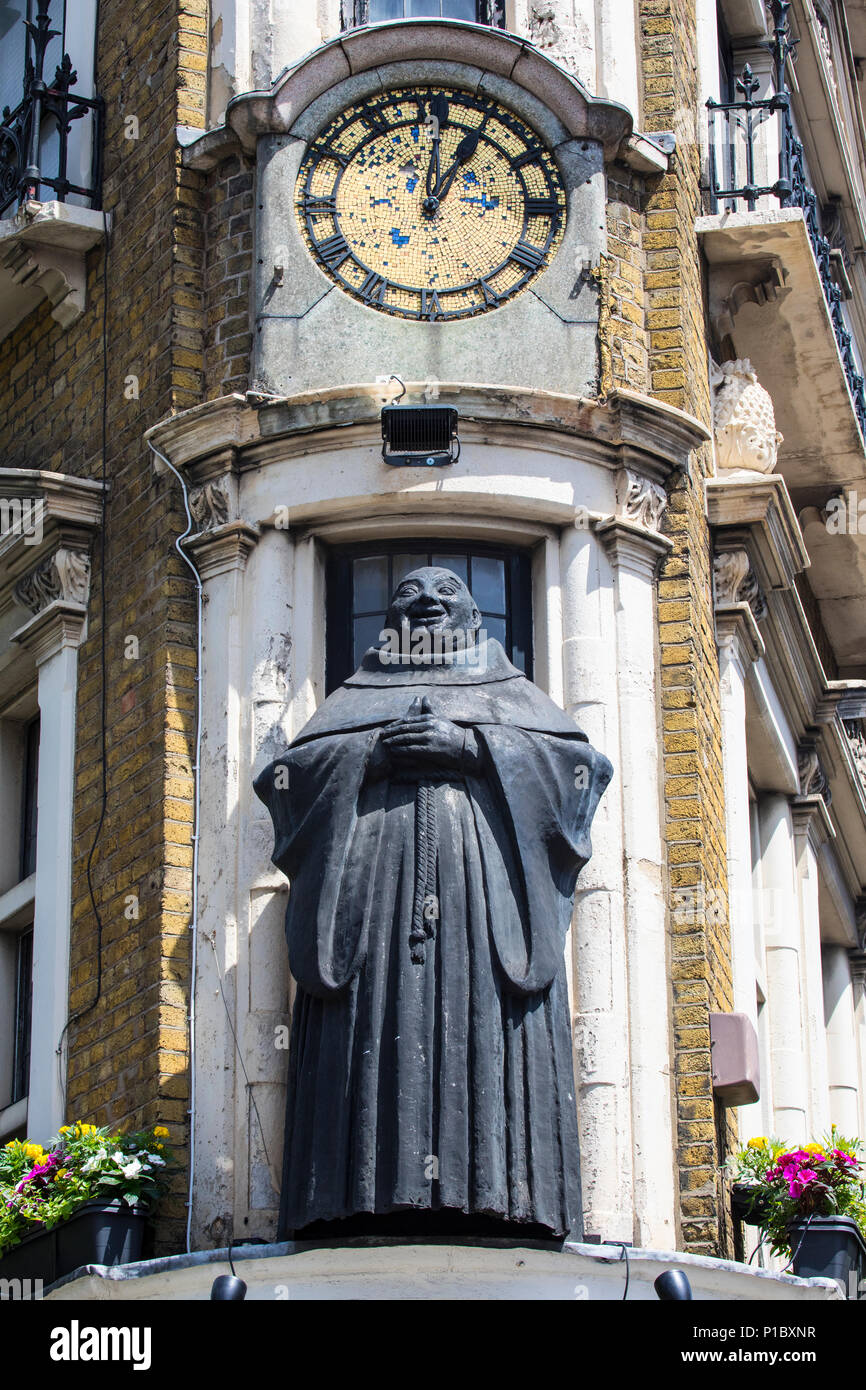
12, 35
371, 584
380, 10
414, 8
459, 9
403, 565
494, 627
488, 583
28, 816
366, 634
23, 1015
459, 564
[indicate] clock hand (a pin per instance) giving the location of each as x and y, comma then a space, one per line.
464, 152
435, 119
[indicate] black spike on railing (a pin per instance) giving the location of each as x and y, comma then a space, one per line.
733, 130
22, 129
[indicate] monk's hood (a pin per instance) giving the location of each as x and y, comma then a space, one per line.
488, 690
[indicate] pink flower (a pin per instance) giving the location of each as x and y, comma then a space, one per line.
798, 1184
39, 1171
841, 1156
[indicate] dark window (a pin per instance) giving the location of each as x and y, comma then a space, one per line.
28, 815
727, 90
23, 1015
361, 579
360, 12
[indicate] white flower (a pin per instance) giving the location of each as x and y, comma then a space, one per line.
130, 1169
95, 1161
155, 1158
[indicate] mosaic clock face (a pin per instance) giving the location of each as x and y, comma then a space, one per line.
430, 204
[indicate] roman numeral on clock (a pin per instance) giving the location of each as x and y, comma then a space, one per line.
324, 152
430, 306
374, 121
541, 207
491, 298
373, 289
529, 156
528, 256
319, 205
333, 250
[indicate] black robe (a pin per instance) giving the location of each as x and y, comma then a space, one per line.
432, 1070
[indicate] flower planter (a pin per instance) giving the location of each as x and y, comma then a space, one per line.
830, 1247
749, 1203
99, 1233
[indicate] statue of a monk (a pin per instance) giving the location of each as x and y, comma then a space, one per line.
432, 817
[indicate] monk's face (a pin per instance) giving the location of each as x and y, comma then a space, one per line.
434, 600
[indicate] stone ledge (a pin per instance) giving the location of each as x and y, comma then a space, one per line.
391, 1269
42, 255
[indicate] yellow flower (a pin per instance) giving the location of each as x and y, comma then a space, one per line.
759, 1142
64, 1129
84, 1129
160, 1132
813, 1149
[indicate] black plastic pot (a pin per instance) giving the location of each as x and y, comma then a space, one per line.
748, 1203
99, 1233
830, 1247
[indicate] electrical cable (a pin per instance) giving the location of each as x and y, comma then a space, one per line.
103, 552
193, 925
623, 1255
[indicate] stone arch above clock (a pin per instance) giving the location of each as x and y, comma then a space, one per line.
308, 333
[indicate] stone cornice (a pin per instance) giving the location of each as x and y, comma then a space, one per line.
626, 430
371, 49
757, 514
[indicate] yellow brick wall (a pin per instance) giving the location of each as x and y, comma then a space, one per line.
657, 341
128, 1056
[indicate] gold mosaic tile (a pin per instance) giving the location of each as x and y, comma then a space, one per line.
412, 238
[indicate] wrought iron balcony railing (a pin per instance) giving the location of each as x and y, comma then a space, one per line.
46, 108
734, 159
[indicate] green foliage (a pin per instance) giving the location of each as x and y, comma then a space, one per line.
788, 1185
41, 1187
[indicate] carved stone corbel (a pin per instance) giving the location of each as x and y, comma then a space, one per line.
734, 581
857, 743
209, 504
639, 499
63, 575
813, 778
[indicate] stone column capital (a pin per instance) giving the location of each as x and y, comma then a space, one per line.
811, 818
633, 547
857, 966
222, 549
59, 625
737, 632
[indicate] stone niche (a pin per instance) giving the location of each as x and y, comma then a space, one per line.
308, 333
